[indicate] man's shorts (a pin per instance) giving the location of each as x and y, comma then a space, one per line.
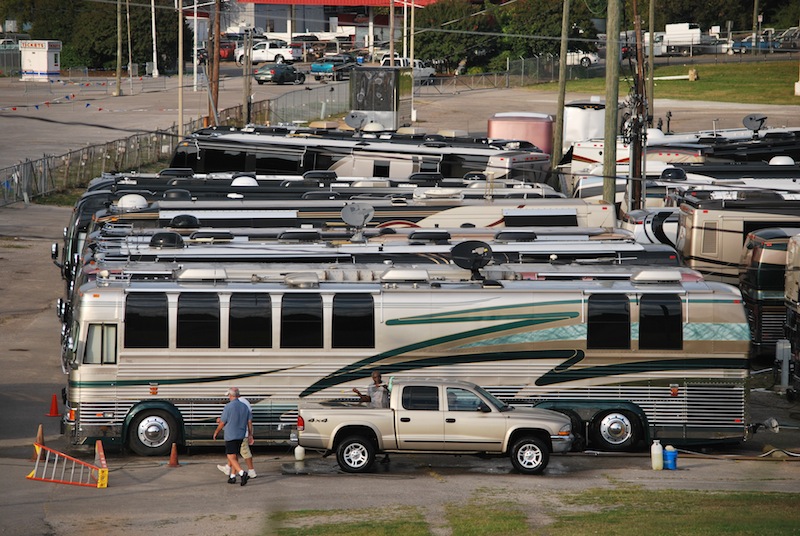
233, 446
244, 451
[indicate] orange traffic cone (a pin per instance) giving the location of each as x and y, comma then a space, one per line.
173, 457
40, 441
53, 408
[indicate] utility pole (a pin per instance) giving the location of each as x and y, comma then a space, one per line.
612, 98
391, 34
558, 135
651, 85
118, 78
637, 122
247, 77
755, 27
153, 28
180, 68
213, 82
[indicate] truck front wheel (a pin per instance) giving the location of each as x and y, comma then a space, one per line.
530, 455
355, 454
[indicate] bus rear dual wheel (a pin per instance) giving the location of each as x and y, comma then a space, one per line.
615, 430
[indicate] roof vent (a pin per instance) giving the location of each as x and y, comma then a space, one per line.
166, 240
657, 276
184, 221
177, 194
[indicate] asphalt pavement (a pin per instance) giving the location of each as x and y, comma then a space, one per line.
145, 494
54, 118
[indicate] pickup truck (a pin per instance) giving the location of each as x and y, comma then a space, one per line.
333, 67
271, 50
435, 416
420, 70
745, 46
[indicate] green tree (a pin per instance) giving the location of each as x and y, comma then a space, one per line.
453, 31
88, 30
533, 27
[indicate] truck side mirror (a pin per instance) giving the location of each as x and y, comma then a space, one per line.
483, 408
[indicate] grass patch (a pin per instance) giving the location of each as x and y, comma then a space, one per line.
379, 522
626, 511
632, 511
480, 518
751, 82
62, 198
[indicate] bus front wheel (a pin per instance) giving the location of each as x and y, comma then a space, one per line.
152, 433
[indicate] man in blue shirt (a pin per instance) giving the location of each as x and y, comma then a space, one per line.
236, 420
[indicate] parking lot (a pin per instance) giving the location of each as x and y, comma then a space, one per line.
194, 499
144, 493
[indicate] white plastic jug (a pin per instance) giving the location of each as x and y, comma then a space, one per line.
657, 455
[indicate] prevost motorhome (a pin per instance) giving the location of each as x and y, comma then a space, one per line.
714, 224
792, 302
648, 353
762, 280
281, 151
170, 184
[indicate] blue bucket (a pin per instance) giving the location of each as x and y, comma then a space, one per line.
670, 459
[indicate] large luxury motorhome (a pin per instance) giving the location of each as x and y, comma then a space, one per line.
762, 274
714, 225
630, 353
282, 151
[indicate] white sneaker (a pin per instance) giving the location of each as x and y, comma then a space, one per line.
251, 473
225, 469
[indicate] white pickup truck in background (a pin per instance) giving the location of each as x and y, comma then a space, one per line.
435, 416
420, 69
271, 50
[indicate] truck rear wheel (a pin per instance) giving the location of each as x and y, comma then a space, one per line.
355, 454
530, 455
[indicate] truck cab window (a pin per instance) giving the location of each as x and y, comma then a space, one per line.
421, 397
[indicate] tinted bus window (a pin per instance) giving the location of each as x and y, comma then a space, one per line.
301, 321
660, 322
275, 162
250, 321
353, 321
146, 322
198, 320
609, 322
222, 160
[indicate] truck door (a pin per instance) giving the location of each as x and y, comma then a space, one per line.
468, 428
419, 421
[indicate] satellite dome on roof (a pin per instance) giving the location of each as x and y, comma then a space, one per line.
244, 180
132, 202
781, 160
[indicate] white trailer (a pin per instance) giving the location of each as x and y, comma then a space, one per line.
684, 39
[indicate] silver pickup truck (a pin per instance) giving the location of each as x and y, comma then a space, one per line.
435, 416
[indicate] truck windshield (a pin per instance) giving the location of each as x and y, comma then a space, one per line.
499, 404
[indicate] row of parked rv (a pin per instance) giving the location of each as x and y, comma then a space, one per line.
293, 262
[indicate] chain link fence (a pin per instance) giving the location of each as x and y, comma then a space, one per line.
32, 178
310, 104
